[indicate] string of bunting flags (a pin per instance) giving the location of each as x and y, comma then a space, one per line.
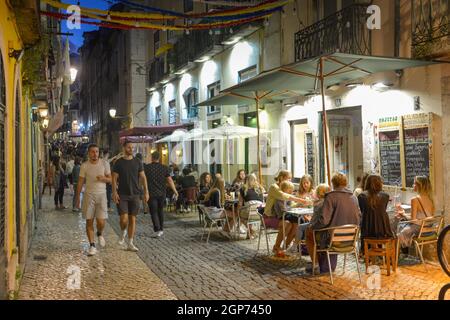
155, 18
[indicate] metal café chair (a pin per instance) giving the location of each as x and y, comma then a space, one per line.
428, 234
212, 219
343, 240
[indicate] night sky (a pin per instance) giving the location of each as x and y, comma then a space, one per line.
77, 38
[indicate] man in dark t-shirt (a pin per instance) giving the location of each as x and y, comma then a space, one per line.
158, 176
128, 174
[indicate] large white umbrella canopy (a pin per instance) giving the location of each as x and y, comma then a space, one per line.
225, 132
176, 136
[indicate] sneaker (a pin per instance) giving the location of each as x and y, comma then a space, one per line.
243, 230
122, 239
159, 234
187, 210
316, 269
293, 249
102, 241
132, 247
92, 251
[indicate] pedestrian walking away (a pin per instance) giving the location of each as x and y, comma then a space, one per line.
128, 175
158, 177
96, 173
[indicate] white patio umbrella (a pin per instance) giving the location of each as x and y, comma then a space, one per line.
226, 132
176, 136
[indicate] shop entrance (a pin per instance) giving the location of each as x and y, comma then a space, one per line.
346, 143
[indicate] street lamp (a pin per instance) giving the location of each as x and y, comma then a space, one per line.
45, 124
73, 74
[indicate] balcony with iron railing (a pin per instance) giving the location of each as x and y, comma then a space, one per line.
156, 71
430, 28
345, 31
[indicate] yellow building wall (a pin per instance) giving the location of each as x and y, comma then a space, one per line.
10, 39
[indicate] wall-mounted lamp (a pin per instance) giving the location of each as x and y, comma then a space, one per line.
43, 113
382, 85
45, 124
16, 54
112, 112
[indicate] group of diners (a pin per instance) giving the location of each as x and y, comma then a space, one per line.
366, 207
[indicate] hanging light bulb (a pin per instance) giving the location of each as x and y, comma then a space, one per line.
266, 22
231, 30
109, 16
187, 32
210, 32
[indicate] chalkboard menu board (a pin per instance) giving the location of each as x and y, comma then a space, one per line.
417, 154
390, 157
310, 160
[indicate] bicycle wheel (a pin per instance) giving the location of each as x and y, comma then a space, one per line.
443, 249
443, 292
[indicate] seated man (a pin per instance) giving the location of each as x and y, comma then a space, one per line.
184, 182
340, 207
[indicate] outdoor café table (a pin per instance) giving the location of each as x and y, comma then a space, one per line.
299, 212
393, 219
233, 203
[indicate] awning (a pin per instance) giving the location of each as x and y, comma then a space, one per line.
304, 76
150, 131
247, 98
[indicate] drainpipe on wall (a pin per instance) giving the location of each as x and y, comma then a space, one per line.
397, 28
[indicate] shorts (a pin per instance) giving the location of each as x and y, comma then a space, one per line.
129, 205
271, 222
94, 206
290, 218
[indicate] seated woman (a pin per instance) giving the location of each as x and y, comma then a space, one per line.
239, 181
205, 185
290, 221
185, 182
251, 194
373, 203
320, 193
422, 207
215, 199
275, 194
361, 185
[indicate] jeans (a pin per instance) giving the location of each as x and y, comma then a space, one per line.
156, 206
59, 194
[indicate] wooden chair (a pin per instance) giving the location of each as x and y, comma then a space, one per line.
385, 248
343, 240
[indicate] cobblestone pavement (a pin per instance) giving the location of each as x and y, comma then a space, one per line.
226, 269
58, 255
192, 269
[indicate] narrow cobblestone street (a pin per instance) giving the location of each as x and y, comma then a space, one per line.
180, 265
59, 248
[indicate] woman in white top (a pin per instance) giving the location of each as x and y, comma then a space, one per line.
422, 207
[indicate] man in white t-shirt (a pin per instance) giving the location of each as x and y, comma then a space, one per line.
96, 173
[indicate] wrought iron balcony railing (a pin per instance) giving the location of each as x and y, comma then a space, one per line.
430, 27
156, 72
345, 31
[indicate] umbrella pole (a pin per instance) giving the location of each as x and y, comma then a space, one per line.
258, 142
325, 122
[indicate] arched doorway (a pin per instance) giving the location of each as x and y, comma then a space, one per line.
2, 180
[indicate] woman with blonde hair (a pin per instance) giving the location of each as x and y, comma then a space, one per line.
306, 188
251, 194
422, 207
215, 199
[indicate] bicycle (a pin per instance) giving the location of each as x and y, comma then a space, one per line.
443, 248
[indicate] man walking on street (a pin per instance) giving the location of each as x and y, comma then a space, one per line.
128, 172
158, 177
96, 173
